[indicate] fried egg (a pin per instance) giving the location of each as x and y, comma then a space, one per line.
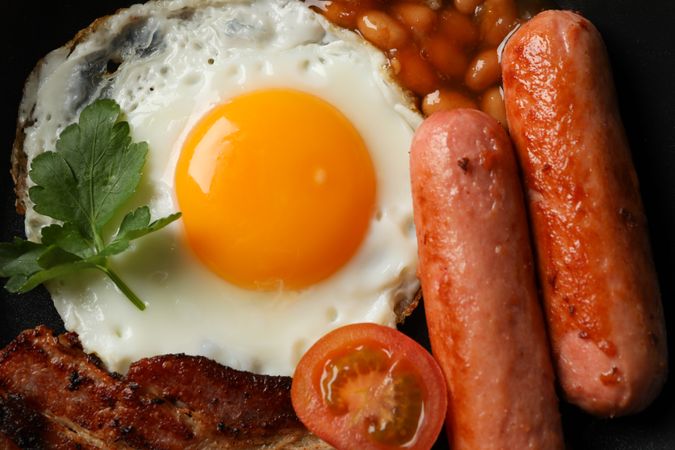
284, 143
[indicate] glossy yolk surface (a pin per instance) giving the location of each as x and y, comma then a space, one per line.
277, 189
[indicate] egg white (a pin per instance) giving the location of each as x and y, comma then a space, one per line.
200, 54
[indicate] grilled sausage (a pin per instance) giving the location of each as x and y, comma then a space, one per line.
485, 324
600, 289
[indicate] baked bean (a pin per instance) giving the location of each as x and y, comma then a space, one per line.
382, 30
435, 4
413, 72
342, 15
492, 104
467, 7
444, 51
448, 59
458, 28
484, 70
497, 18
445, 100
418, 17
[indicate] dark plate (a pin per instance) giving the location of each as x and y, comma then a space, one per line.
641, 43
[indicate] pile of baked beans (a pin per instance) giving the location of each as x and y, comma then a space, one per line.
445, 51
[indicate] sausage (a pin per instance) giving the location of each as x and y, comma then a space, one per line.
475, 266
600, 290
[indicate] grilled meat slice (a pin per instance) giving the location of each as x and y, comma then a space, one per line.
229, 399
57, 378
53, 395
21, 426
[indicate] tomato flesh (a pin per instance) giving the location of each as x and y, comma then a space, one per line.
384, 396
368, 386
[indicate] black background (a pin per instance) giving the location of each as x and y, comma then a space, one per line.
640, 36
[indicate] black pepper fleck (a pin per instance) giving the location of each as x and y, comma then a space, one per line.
463, 164
75, 380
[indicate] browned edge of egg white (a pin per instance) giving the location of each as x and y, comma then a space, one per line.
19, 160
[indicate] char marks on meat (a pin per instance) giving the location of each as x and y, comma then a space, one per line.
55, 396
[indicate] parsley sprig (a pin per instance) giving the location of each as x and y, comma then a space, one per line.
83, 184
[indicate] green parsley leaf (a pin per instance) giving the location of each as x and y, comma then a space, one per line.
56, 256
84, 183
69, 238
19, 257
57, 271
136, 224
93, 172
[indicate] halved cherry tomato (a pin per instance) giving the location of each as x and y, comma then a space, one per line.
367, 386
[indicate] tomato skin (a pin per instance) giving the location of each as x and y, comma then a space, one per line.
346, 432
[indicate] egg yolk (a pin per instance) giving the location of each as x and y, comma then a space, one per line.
277, 189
